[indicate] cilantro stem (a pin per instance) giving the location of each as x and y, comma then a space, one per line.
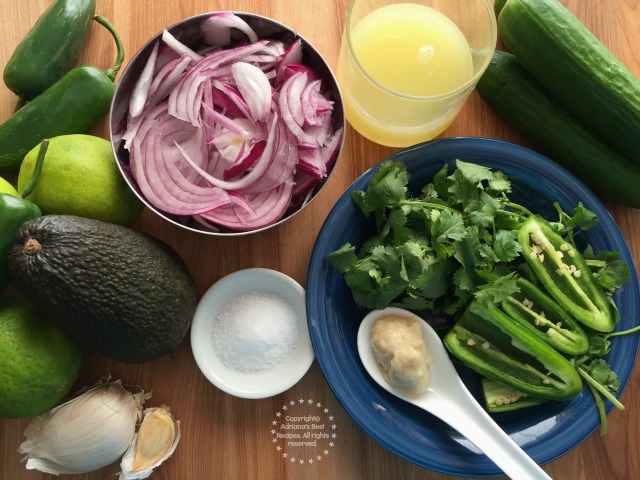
600, 388
596, 263
624, 332
520, 208
601, 411
422, 203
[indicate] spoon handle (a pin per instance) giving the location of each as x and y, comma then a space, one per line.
472, 421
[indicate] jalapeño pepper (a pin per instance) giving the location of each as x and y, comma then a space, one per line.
564, 274
497, 347
50, 49
502, 398
14, 211
74, 104
539, 313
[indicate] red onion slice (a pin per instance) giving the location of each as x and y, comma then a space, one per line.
268, 208
177, 46
254, 87
216, 30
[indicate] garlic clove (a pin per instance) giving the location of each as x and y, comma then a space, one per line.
86, 433
156, 440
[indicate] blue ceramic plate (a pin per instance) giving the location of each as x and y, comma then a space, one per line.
545, 432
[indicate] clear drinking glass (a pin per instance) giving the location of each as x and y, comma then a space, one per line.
406, 68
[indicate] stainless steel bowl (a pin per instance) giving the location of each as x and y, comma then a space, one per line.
189, 32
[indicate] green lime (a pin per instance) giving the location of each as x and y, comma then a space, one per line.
80, 177
38, 362
6, 187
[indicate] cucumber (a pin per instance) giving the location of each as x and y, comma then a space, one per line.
578, 70
517, 97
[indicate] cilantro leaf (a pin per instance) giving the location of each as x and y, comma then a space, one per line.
447, 227
344, 258
432, 282
439, 184
371, 287
499, 183
474, 173
601, 372
388, 187
498, 289
505, 246
609, 270
582, 218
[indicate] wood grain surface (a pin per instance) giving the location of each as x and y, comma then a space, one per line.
229, 438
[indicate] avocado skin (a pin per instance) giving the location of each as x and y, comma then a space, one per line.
117, 291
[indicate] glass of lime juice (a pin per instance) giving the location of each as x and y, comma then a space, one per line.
406, 68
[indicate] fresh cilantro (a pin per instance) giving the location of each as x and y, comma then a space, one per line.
457, 241
609, 270
498, 289
567, 225
439, 249
602, 381
505, 246
388, 188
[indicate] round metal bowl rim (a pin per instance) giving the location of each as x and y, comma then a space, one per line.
339, 119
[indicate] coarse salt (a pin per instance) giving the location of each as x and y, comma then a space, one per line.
254, 332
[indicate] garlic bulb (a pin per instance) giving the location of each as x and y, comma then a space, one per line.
86, 433
155, 441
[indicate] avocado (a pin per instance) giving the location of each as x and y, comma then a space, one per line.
117, 291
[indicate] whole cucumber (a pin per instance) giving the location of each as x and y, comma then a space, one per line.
50, 49
517, 97
576, 68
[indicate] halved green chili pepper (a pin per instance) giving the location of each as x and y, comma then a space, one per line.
499, 397
497, 347
14, 211
74, 104
539, 313
564, 274
50, 49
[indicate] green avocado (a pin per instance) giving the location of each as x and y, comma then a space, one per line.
118, 292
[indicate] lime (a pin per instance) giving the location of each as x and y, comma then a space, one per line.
80, 177
38, 362
6, 187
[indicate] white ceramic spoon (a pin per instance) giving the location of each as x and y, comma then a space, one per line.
448, 399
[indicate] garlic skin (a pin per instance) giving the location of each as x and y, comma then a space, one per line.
156, 440
86, 433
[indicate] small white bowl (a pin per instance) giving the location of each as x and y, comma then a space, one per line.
251, 385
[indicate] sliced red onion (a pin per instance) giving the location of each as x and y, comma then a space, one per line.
184, 91
230, 100
312, 163
216, 30
247, 161
253, 177
234, 127
292, 55
254, 87
287, 110
314, 104
231, 136
141, 90
282, 165
180, 48
268, 208
291, 70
